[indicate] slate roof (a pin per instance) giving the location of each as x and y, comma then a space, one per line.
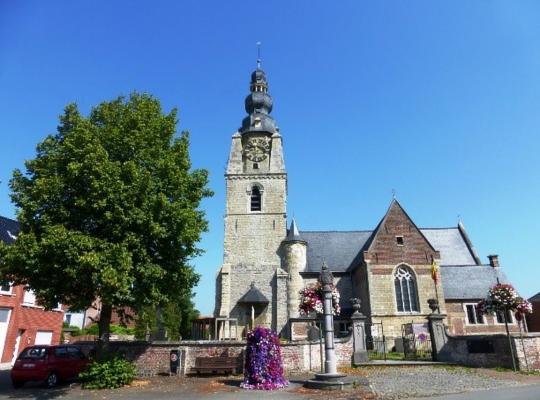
292, 234
253, 296
342, 250
536, 297
8, 230
470, 282
451, 244
338, 249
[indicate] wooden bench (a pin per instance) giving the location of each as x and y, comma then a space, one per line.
215, 365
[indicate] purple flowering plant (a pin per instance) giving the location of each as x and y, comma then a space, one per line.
263, 369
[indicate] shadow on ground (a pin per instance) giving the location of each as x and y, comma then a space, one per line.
31, 390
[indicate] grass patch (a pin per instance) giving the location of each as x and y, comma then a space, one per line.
391, 355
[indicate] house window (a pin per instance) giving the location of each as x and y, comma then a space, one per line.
399, 240
500, 317
256, 199
474, 316
5, 288
405, 286
29, 298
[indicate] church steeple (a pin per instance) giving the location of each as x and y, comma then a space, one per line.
258, 105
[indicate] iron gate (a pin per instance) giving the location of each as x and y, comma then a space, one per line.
375, 341
416, 342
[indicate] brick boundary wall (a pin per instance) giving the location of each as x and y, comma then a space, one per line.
152, 358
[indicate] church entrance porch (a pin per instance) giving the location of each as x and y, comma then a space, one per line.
254, 307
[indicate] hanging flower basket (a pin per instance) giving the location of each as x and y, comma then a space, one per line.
503, 297
312, 298
264, 368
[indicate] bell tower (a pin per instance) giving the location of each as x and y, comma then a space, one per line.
255, 211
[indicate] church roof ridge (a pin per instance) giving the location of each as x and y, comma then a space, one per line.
439, 228
371, 230
338, 231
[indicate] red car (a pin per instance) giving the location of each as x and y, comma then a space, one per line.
49, 364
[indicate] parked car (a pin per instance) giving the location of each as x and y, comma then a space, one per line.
49, 364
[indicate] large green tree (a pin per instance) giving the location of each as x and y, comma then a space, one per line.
109, 209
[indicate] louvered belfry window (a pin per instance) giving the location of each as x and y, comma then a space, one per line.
406, 293
256, 199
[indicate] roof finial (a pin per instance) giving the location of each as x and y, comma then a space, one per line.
258, 55
459, 219
393, 194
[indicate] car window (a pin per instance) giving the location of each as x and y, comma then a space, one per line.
75, 352
60, 352
33, 353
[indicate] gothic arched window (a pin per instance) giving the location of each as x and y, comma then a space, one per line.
405, 285
256, 199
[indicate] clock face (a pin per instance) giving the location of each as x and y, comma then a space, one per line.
257, 149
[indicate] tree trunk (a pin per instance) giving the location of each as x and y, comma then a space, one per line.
104, 325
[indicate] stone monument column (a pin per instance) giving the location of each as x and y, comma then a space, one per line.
330, 379
330, 366
359, 333
436, 330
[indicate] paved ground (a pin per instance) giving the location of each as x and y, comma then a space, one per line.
528, 392
387, 383
426, 381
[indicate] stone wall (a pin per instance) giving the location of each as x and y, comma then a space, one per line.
383, 297
492, 351
241, 277
153, 358
495, 354
528, 351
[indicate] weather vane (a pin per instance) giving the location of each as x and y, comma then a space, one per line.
258, 55
394, 194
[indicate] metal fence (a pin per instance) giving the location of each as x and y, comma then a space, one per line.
376, 341
416, 342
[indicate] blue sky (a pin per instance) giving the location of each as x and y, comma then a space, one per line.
437, 101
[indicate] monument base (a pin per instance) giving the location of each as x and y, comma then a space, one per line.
335, 382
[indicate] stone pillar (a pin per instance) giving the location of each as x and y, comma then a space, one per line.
330, 379
359, 334
280, 306
436, 330
330, 365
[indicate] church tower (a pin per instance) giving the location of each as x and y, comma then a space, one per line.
251, 285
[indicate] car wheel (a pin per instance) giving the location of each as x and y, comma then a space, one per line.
17, 384
52, 380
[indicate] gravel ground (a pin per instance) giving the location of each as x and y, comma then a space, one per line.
424, 381
389, 383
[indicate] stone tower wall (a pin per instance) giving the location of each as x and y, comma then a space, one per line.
255, 237
294, 259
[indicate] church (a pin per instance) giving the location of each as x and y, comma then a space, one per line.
389, 267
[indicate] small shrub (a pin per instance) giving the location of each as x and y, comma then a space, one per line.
110, 374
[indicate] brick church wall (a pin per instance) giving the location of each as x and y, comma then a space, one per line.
458, 323
383, 257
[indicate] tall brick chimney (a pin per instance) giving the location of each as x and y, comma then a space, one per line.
494, 260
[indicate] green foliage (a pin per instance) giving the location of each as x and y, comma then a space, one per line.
74, 330
109, 209
109, 374
176, 317
93, 329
